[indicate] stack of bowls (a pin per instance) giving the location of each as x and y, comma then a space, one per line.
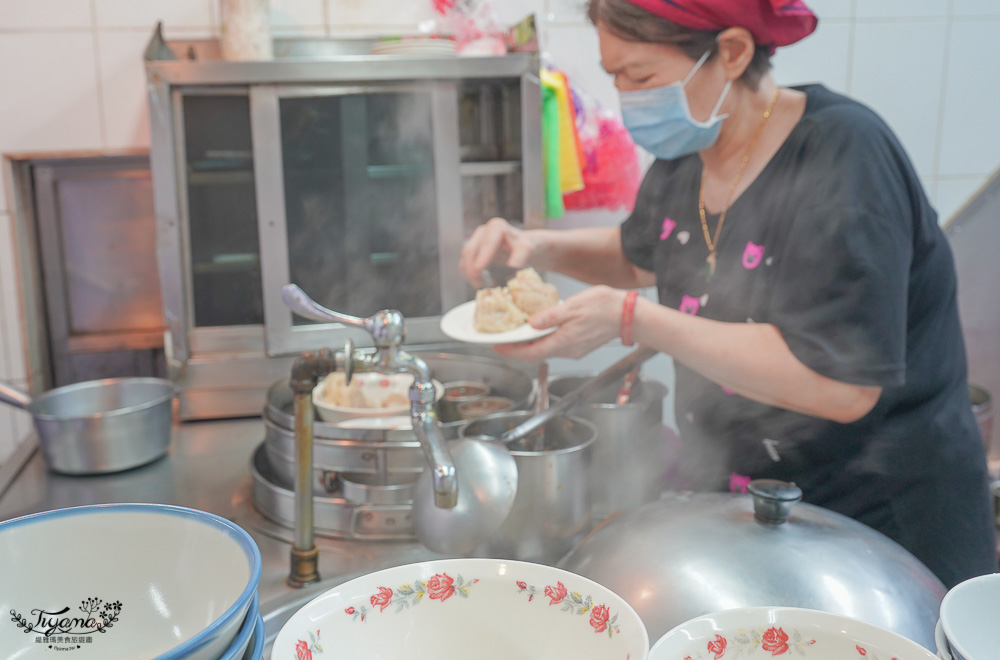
129, 581
968, 627
453, 609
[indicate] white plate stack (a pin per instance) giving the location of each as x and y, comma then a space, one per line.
415, 46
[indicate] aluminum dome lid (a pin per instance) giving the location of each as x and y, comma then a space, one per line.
690, 554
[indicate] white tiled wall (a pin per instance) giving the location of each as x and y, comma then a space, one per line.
925, 66
71, 77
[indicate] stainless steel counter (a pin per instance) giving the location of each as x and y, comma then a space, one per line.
207, 468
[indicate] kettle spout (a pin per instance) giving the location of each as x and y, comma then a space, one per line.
425, 425
445, 486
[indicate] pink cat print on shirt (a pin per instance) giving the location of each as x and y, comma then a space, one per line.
668, 228
752, 255
690, 305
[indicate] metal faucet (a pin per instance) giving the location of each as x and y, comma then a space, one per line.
387, 328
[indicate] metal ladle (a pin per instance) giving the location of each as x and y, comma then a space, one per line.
583, 393
541, 403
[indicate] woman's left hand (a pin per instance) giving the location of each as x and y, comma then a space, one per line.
585, 321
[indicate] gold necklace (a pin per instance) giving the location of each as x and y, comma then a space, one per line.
713, 242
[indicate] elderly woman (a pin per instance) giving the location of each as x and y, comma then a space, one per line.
805, 289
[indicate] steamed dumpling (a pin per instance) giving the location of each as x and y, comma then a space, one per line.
530, 293
337, 392
496, 311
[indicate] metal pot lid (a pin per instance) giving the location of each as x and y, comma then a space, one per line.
693, 553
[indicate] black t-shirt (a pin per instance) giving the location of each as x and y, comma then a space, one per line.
836, 245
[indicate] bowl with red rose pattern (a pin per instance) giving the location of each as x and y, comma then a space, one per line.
455, 609
783, 632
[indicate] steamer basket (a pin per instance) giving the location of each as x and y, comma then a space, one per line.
502, 380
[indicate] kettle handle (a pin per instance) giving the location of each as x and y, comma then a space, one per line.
14, 396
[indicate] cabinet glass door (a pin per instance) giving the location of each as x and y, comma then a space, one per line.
222, 216
360, 205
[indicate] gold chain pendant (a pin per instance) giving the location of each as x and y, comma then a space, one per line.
712, 242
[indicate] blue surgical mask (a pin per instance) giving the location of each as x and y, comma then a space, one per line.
660, 121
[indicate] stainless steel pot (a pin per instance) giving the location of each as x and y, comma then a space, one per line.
631, 447
551, 510
692, 553
100, 426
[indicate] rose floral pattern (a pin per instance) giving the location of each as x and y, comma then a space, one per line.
600, 617
717, 647
775, 641
768, 642
304, 650
440, 587
555, 594
862, 651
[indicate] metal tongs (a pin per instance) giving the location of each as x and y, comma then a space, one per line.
582, 393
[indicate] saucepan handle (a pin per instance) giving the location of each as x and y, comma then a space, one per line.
14, 396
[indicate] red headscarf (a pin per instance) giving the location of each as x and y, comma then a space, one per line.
771, 22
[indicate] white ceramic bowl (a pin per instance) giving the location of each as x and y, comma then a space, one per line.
455, 609
376, 389
767, 632
970, 613
243, 638
941, 642
133, 581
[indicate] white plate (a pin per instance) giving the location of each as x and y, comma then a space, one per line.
459, 325
415, 47
393, 423
764, 633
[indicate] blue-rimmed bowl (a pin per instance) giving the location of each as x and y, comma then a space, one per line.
255, 651
124, 581
245, 634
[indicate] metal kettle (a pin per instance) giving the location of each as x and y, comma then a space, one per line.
690, 554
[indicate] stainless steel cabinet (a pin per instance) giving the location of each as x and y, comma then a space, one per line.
370, 215
356, 177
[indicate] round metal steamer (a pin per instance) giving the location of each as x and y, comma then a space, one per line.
334, 515
357, 506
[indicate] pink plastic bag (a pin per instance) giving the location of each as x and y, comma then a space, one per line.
611, 175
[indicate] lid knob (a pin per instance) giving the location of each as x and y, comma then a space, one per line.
773, 499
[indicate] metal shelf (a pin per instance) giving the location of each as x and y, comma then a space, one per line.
399, 171
220, 178
490, 168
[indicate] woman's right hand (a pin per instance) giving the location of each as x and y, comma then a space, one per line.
496, 241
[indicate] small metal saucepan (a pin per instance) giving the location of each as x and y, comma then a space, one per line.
100, 426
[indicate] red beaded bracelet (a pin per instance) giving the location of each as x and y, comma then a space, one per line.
628, 317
